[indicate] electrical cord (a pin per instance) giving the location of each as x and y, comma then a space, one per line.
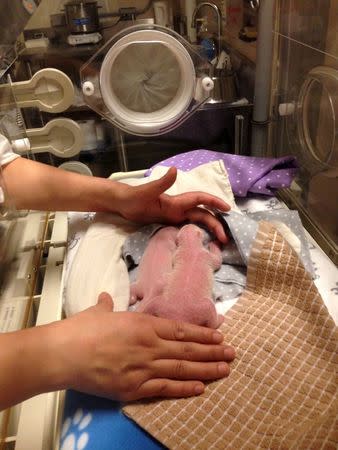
112, 25
145, 9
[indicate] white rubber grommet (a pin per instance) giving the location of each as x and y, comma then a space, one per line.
207, 84
88, 88
286, 109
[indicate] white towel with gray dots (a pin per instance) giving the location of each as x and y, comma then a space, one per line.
243, 229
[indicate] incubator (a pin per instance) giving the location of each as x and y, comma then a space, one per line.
142, 94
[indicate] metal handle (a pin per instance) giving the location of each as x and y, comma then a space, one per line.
121, 149
239, 134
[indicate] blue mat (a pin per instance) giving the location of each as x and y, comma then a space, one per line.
93, 423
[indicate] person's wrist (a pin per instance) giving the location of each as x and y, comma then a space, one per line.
110, 196
55, 369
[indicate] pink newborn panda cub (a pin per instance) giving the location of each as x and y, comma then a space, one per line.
186, 290
156, 263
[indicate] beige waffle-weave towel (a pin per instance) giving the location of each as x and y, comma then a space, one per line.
282, 390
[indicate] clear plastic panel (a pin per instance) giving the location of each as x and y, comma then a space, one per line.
145, 80
318, 114
306, 21
11, 122
305, 102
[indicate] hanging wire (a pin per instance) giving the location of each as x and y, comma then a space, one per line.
112, 25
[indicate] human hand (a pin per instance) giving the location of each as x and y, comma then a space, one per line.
128, 356
147, 203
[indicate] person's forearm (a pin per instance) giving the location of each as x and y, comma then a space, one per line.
27, 365
47, 188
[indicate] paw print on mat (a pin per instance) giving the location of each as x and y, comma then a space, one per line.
73, 435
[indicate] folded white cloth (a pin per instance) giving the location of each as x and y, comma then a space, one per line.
211, 178
98, 267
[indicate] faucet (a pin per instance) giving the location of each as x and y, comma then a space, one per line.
218, 15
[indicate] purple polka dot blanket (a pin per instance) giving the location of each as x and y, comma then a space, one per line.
246, 173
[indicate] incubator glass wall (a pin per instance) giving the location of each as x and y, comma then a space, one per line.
305, 106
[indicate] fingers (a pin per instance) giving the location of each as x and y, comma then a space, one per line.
188, 205
199, 215
177, 378
157, 187
174, 377
181, 331
168, 388
105, 302
190, 370
190, 351
193, 199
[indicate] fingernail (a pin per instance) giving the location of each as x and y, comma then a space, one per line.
223, 368
229, 353
199, 389
217, 337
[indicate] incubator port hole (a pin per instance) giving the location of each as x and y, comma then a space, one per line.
317, 117
319, 122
